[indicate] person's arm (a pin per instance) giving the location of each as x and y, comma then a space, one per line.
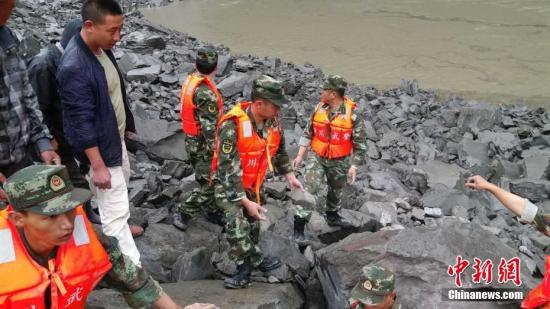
281, 165
305, 141
44, 83
207, 113
39, 133
514, 203
359, 140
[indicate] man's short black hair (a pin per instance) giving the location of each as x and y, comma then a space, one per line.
95, 10
205, 67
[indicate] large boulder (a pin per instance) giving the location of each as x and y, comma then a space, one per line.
419, 257
163, 245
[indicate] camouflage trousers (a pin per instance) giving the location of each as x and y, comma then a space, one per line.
242, 232
335, 171
202, 198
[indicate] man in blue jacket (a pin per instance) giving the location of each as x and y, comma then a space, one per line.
97, 117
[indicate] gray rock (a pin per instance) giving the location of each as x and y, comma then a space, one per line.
194, 265
433, 212
477, 116
161, 245
277, 189
450, 201
144, 75
419, 257
302, 198
418, 214
328, 234
533, 189
233, 84
384, 212
155, 41
443, 173
541, 241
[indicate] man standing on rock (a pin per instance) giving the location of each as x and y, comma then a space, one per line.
249, 141
336, 134
201, 107
97, 117
20, 118
42, 74
375, 290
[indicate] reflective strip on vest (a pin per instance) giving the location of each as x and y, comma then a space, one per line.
190, 125
332, 138
7, 254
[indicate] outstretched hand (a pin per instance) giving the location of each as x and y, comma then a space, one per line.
477, 183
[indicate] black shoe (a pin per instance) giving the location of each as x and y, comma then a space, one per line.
334, 219
269, 263
91, 214
217, 217
241, 279
299, 227
181, 220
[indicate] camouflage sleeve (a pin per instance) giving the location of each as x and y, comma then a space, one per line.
136, 285
207, 112
359, 138
305, 139
541, 221
281, 162
229, 163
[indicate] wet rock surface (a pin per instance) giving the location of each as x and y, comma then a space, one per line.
409, 208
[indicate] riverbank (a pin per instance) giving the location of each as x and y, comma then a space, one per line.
490, 50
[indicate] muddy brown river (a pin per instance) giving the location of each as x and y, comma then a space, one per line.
494, 50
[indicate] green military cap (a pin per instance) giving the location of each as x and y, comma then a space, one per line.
266, 87
207, 55
44, 189
335, 82
376, 282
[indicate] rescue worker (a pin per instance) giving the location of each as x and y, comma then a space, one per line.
201, 107
375, 290
249, 142
336, 134
51, 253
528, 213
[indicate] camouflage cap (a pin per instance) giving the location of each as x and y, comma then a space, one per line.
376, 282
335, 82
44, 189
266, 87
207, 55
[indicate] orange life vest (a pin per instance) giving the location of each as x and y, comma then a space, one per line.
332, 139
72, 275
255, 153
190, 125
540, 296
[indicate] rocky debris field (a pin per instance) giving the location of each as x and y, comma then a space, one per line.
409, 207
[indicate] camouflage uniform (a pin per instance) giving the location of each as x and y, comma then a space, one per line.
374, 285
335, 170
243, 232
137, 286
200, 148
